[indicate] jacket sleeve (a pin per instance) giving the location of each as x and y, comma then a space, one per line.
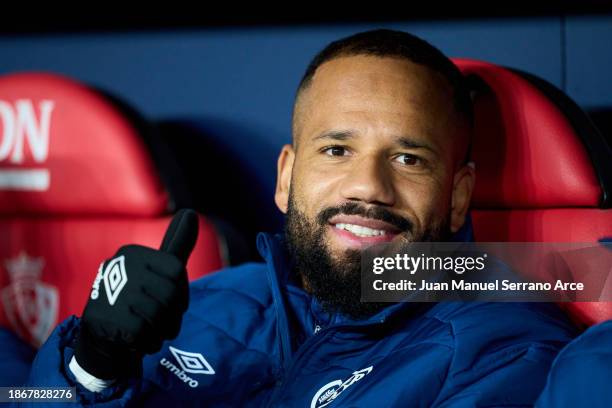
16, 357
50, 369
510, 378
581, 374
503, 360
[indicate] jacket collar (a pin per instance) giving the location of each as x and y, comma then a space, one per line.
273, 250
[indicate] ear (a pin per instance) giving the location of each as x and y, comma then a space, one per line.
463, 185
284, 170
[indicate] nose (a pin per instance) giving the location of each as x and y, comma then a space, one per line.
369, 181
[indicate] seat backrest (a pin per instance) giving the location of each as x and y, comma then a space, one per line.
77, 181
543, 171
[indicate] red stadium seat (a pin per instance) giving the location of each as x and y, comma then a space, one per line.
544, 173
78, 179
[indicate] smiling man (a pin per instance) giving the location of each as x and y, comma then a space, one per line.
381, 134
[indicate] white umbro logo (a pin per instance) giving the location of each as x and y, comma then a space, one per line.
115, 278
194, 363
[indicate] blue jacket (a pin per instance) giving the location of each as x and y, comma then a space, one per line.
582, 372
252, 338
16, 357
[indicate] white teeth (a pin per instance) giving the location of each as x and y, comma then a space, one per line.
360, 231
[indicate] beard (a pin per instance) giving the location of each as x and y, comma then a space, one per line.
336, 282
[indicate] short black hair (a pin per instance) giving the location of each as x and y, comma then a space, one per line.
397, 44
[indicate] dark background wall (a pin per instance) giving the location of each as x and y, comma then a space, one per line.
223, 94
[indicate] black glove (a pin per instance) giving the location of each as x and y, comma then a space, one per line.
137, 301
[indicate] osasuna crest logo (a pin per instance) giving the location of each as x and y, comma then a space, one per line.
330, 391
31, 305
24, 123
189, 362
114, 277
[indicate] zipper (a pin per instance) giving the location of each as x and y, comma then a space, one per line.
296, 362
289, 360
299, 355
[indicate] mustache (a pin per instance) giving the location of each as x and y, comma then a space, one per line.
375, 212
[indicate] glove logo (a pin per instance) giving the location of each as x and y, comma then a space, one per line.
115, 278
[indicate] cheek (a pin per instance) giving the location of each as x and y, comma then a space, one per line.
428, 201
314, 188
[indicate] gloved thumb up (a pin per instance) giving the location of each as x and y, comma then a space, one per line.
137, 301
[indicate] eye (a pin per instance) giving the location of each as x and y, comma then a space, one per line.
335, 151
408, 159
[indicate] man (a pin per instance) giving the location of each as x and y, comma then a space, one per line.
381, 133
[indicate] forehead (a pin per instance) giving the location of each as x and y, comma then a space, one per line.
373, 91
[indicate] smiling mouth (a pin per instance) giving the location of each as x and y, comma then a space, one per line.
360, 230
356, 230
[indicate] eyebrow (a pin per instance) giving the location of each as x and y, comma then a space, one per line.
405, 142
410, 143
335, 135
